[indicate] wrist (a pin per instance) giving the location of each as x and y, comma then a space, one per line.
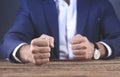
102, 50
99, 51
21, 54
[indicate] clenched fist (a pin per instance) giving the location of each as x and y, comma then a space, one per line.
82, 47
38, 52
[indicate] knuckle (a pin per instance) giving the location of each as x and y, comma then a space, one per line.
52, 38
85, 37
33, 41
41, 56
75, 52
45, 49
44, 55
34, 57
78, 35
48, 55
44, 60
38, 61
43, 35
48, 49
33, 50
47, 60
46, 42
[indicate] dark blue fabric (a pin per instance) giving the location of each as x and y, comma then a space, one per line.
96, 20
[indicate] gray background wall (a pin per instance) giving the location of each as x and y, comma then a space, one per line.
116, 5
8, 10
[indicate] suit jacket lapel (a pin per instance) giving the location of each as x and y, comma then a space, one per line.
50, 10
82, 14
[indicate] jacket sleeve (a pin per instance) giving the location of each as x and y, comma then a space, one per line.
110, 28
22, 31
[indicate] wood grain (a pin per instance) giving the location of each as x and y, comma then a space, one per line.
57, 68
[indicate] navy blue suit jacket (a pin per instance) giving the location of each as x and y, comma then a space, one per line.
95, 19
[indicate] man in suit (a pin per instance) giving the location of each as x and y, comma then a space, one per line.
62, 29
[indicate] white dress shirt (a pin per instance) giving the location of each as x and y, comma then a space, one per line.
67, 26
67, 29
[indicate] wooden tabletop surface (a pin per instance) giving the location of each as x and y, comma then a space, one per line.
93, 68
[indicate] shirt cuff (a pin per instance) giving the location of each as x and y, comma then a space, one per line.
15, 51
108, 48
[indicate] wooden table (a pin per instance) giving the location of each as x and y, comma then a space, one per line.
98, 68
